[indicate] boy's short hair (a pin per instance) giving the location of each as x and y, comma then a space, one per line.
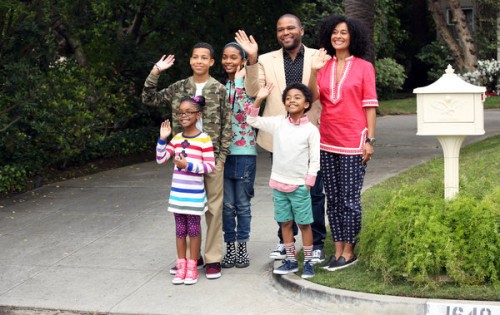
301, 87
204, 45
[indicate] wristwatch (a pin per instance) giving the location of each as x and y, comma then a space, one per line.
370, 141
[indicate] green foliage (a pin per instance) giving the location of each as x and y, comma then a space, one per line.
436, 56
12, 178
389, 33
65, 116
410, 231
311, 13
485, 18
390, 77
123, 143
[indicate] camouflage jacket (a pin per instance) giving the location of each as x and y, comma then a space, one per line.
216, 114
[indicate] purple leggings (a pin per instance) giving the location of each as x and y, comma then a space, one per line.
187, 224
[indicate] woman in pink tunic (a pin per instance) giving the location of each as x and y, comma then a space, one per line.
345, 84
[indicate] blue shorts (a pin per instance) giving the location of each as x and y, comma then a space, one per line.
293, 206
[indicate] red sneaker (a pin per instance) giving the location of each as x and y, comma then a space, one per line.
213, 270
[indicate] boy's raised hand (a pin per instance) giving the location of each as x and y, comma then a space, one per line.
248, 44
165, 130
264, 91
319, 59
164, 63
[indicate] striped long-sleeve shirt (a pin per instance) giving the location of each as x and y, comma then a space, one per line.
187, 194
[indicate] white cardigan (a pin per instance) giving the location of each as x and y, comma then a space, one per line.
295, 148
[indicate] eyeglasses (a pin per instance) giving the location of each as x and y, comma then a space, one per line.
188, 114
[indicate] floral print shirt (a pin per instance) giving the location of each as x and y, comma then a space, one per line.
242, 134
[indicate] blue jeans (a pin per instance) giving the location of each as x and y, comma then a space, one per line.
239, 178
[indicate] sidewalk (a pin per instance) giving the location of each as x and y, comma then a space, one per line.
104, 243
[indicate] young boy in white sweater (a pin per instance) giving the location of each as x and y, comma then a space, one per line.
295, 165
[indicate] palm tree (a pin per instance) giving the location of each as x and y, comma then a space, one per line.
364, 11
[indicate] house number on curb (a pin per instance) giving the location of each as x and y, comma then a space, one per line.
461, 309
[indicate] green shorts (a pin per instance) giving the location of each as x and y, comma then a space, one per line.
293, 206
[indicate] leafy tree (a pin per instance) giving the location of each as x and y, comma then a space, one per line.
469, 47
464, 51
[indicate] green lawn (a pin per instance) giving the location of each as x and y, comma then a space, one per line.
409, 105
475, 159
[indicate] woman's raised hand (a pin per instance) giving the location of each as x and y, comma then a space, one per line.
164, 63
319, 59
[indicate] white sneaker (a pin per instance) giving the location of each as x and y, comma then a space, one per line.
318, 256
279, 253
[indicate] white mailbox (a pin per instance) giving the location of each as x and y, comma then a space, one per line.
450, 109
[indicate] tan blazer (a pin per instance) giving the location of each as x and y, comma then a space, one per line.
270, 68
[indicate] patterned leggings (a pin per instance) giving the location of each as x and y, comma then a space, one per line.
343, 179
187, 224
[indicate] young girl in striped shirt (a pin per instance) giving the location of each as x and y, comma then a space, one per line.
193, 156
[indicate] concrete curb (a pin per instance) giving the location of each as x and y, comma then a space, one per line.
354, 303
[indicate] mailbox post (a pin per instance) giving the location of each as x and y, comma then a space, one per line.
450, 109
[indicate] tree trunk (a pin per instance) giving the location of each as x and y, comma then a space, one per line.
498, 38
133, 30
465, 56
364, 11
464, 35
73, 43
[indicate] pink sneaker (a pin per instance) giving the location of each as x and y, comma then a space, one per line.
180, 274
191, 273
200, 265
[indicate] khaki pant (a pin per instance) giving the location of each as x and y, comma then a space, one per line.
214, 186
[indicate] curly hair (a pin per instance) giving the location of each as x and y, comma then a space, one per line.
305, 91
357, 31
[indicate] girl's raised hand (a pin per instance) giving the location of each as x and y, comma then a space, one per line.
320, 58
240, 73
165, 130
248, 44
164, 63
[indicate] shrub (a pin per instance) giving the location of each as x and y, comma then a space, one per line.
12, 178
436, 56
66, 115
424, 239
410, 232
487, 74
390, 77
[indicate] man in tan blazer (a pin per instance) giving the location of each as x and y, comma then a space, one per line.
290, 64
